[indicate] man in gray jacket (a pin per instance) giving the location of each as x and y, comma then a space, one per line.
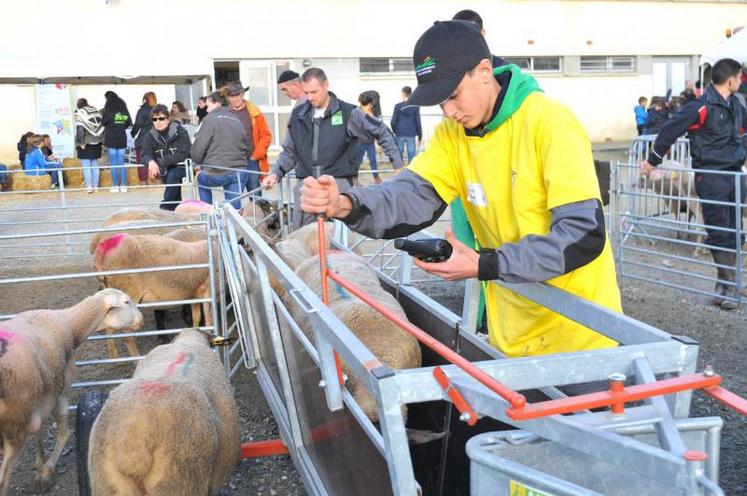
324, 132
220, 149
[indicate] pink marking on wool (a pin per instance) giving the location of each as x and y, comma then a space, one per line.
193, 202
179, 360
154, 387
110, 243
10, 336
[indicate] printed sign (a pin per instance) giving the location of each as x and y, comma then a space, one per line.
54, 116
519, 489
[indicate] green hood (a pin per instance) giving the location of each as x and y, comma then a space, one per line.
520, 87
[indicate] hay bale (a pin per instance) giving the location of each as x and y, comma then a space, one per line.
105, 177
73, 178
132, 177
19, 181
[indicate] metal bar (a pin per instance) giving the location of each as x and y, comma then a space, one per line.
649, 461
666, 430
108, 361
259, 449
728, 398
608, 398
101, 230
82, 275
418, 385
514, 398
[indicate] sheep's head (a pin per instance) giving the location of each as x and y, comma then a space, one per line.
121, 311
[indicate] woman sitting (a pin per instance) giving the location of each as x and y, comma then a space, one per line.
36, 164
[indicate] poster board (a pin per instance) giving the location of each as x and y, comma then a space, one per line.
54, 116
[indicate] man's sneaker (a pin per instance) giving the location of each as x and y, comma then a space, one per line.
89, 190
123, 190
114, 190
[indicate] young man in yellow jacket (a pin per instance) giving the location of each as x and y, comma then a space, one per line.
522, 165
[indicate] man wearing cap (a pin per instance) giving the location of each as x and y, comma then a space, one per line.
522, 165
324, 133
289, 83
257, 130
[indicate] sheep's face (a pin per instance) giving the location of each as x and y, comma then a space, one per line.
122, 313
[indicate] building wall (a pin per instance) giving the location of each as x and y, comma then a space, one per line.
335, 33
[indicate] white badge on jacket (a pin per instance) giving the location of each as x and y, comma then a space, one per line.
476, 195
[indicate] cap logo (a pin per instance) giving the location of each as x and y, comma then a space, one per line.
425, 67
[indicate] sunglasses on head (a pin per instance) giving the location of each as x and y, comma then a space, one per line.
154, 119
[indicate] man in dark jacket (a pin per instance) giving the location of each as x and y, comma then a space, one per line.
165, 148
713, 122
220, 148
406, 126
324, 132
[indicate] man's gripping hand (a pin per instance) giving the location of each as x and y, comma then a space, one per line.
321, 196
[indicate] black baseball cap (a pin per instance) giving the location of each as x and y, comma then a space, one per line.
442, 57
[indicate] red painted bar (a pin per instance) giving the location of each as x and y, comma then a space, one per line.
515, 399
607, 398
258, 449
728, 398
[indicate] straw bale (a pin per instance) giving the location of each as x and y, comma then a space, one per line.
19, 181
73, 178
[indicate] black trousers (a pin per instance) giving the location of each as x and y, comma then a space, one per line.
173, 193
722, 188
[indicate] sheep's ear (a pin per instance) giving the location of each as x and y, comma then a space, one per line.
216, 341
112, 298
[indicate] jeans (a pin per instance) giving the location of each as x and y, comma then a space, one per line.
252, 178
54, 173
172, 195
408, 141
119, 174
370, 150
90, 171
231, 187
4, 176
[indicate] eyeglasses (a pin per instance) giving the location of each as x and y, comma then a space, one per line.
159, 119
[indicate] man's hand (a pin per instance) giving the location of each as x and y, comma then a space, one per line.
153, 169
461, 265
647, 168
269, 181
321, 196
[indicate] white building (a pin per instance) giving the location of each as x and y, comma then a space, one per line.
597, 56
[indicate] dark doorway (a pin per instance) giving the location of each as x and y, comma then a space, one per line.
226, 71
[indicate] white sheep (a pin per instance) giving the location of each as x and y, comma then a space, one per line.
131, 251
36, 367
173, 429
182, 233
150, 214
390, 344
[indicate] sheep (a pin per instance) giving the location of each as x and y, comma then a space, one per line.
189, 442
36, 366
194, 207
182, 233
390, 344
151, 214
131, 251
676, 185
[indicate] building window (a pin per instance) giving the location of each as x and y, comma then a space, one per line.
608, 64
536, 64
381, 65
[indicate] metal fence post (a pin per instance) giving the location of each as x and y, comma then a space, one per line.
738, 227
63, 204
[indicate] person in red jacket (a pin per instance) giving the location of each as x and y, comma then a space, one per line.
258, 131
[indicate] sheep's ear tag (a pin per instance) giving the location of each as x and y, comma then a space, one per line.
216, 341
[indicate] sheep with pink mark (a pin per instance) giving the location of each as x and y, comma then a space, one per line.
191, 453
36, 368
131, 251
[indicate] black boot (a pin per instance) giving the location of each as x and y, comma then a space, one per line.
722, 275
728, 275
